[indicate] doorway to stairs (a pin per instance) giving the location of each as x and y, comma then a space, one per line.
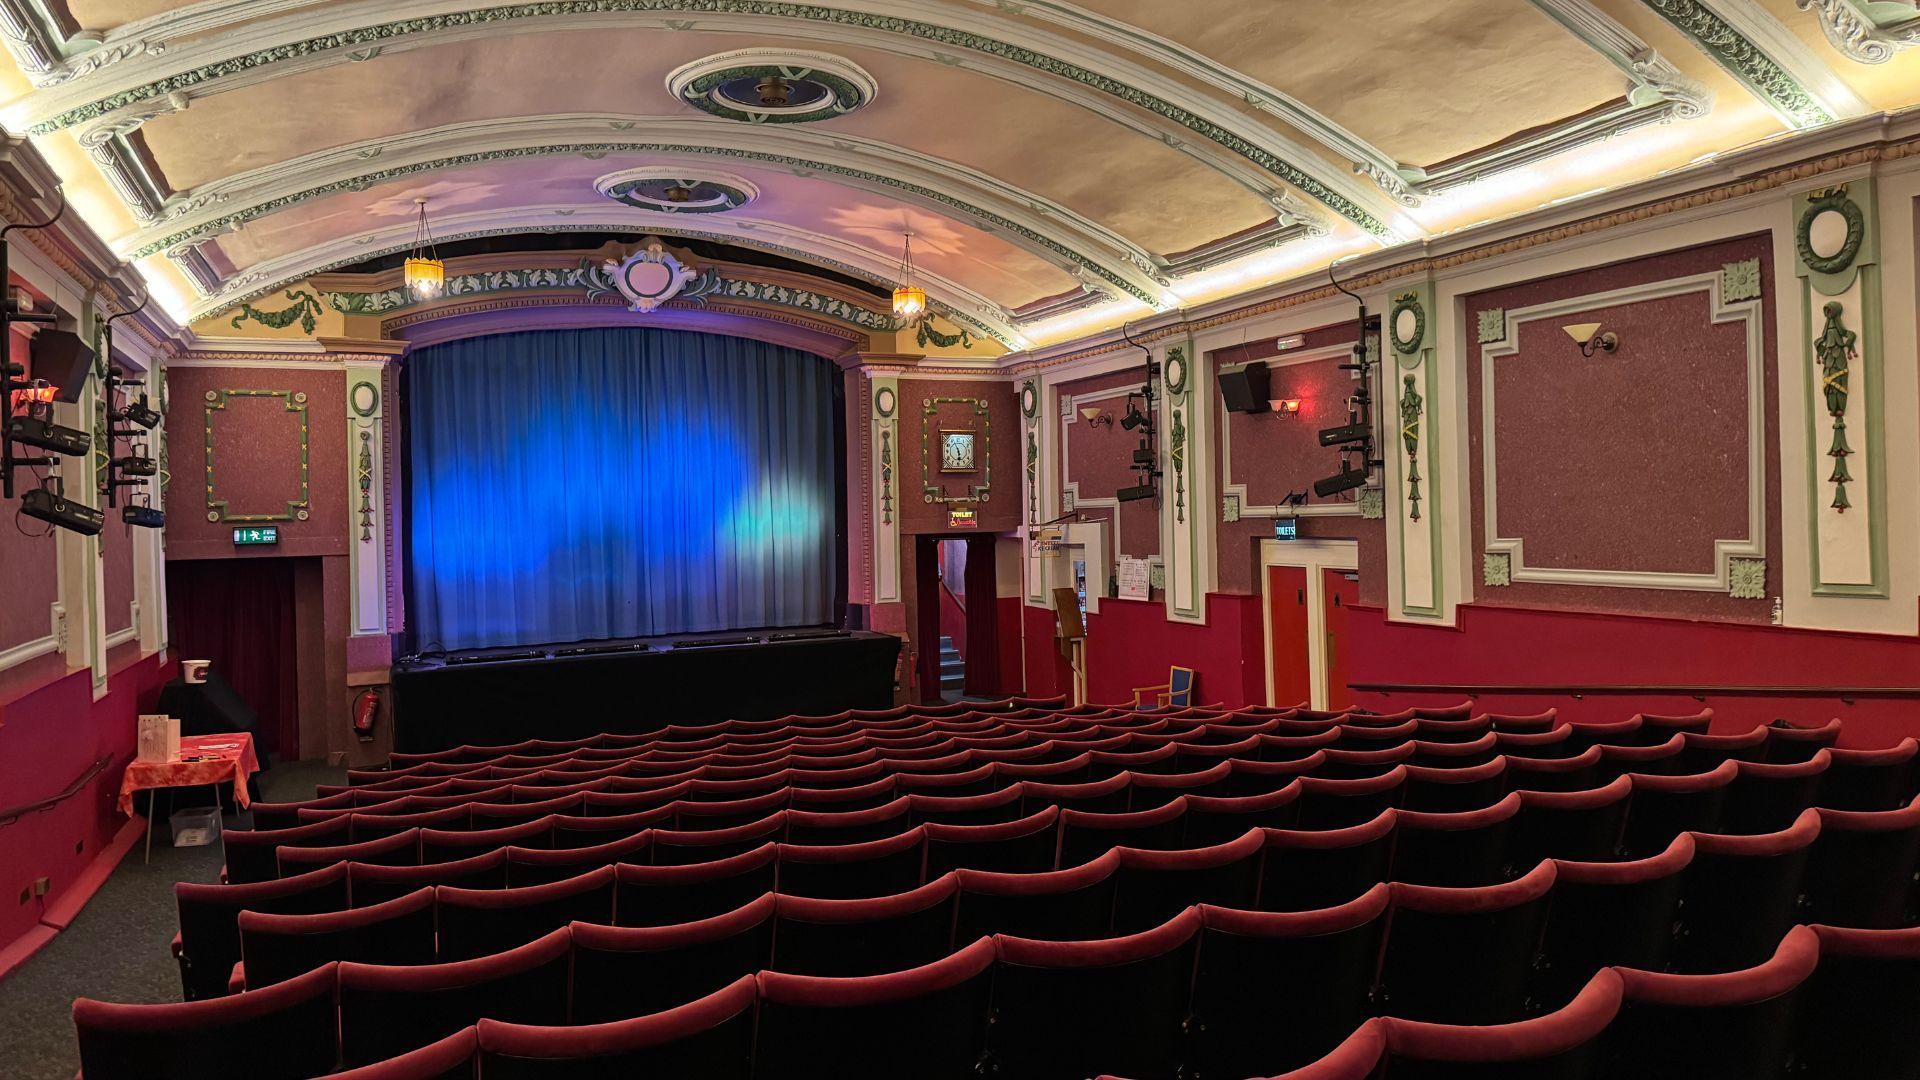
957, 589
952, 558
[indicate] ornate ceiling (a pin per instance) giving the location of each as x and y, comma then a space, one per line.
1062, 167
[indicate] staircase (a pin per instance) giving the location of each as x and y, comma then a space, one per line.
953, 670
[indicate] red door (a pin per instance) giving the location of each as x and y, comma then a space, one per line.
1342, 590
1287, 614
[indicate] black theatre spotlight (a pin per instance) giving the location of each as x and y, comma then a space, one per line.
136, 466
1350, 433
142, 413
1134, 494
1344, 480
144, 516
1134, 418
52, 507
38, 430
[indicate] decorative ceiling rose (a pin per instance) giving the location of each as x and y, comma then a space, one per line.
676, 191
773, 86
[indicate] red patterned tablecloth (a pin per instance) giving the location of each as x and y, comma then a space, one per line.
229, 758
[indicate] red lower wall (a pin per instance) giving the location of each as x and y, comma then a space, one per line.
1131, 643
48, 739
1521, 647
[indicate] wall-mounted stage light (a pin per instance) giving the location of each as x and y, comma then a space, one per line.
1096, 416
143, 515
37, 429
1346, 433
1284, 408
1135, 493
1135, 419
50, 505
142, 413
1583, 335
1344, 480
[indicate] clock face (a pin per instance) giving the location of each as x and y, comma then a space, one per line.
956, 451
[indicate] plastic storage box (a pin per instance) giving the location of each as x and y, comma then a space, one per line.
196, 826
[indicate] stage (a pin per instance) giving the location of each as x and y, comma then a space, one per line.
490, 697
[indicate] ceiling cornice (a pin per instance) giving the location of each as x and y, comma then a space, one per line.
1860, 30
252, 41
1765, 57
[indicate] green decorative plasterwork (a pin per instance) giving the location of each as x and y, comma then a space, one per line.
1740, 281
1407, 302
929, 412
1493, 326
1747, 578
1831, 200
363, 480
1744, 61
1836, 348
360, 38
1177, 454
1229, 508
708, 196
297, 509
1411, 405
925, 334
1496, 568
1176, 371
1372, 503
842, 95
305, 308
799, 166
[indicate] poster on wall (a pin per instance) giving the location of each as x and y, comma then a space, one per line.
1135, 577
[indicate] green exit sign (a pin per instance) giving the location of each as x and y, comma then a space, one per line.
256, 534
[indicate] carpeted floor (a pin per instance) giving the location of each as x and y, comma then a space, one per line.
117, 949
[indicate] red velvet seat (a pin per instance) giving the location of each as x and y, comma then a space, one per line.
1460, 849
711, 1038
1613, 733
1787, 743
1151, 789
1871, 779
879, 791
580, 830
974, 780
1607, 913
1767, 798
363, 827
451, 845
1216, 820
620, 800
1863, 868
1337, 804
1077, 1008
1665, 806
1306, 869
452, 1058
209, 940
854, 871
1465, 956
1454, 753
1260, 777
276, 948
928, 1021
697, 816
1646, 759
1525, 722
1733, 1026
1579, 825
251, 853
1565, 1044
1358, 734
273, 816
1703, 751
386, 1011
1446, 790
1865, 978
1027, 845
1075, 903
845, 938
1203, 753
283, 1032
1104, 763
1098, 796
477, 922
668, 895
849, 827
400, 849
1154, 886
540, 866
1546, 742
1659, 727
1273, 990
1085, 835
377, 884
626, 971
1289, 745
1575, 772
1740, 896
501, 815
678, 847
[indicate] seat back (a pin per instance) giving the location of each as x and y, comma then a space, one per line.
1871, 779
477, 922
1273, 991
453, 845
386, 1010
541, 866
1610, 913
1788, 743
1460, 849
1217, 819
374, 883
621, 972
1579, 825
848, 826
1083, 1008
285, 1032
1573, 772
400, 849
928, 1021
1075, 903
683, 847
1737, 1025
1304, 869
711, 1038
210, 921
1665, 806
854, 871
1862, 869
1767, 797
1864, 977
251, 853
1337, 804
844, 938
1027, 845
1465, 956
1562, 1045
276, 948
1741, 894
669, 895
1154, 886
1085, 835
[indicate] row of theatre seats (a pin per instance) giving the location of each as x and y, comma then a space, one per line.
1147, 907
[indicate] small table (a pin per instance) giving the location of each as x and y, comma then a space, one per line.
220, 759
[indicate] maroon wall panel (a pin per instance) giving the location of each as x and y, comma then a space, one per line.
1003, 454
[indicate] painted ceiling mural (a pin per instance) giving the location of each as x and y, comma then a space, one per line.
1062, 167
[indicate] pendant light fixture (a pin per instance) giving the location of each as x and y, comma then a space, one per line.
909, 300
426, 275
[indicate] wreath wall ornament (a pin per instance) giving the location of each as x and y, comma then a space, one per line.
1407, 323
1830, 232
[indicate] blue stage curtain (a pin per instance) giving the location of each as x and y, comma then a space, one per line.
567, 485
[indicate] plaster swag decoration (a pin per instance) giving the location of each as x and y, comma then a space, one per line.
1836, 348
1496, 569
1410, 405
1747, 579
305, 309
1740, 280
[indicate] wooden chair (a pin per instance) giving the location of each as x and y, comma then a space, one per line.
1176, 692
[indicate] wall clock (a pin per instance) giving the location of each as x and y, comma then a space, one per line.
956, 451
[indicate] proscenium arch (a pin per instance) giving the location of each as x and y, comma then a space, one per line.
121, 95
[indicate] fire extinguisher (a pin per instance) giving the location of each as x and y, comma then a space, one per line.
366, 713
